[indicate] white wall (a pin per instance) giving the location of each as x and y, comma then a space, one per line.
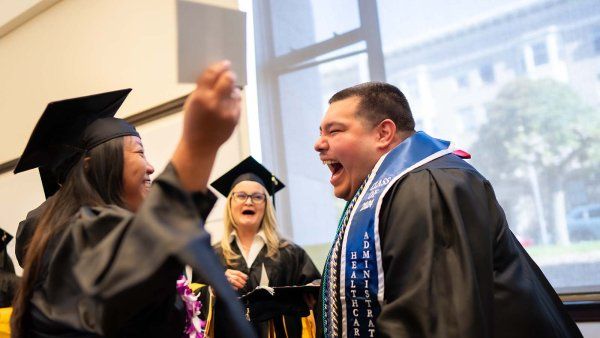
80, 47
14, 13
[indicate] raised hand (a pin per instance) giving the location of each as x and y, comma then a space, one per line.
211, 113
212, 110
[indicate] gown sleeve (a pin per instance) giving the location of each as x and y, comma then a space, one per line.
9, 281
123, 262
437, 283
26, 229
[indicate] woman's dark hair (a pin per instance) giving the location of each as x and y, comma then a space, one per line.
95, 180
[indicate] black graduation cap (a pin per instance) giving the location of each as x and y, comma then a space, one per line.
266, 303
248, 170
69, 128
5, 238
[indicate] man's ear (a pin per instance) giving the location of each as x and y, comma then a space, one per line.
386, 132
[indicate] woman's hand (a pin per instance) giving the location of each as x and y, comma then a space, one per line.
236, 278
211, 113
213, 109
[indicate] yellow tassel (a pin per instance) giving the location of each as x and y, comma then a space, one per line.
309, 328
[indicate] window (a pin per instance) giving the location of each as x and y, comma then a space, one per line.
462, 81
468, 118
577, 215
486, 72
410, 88
596, 43
595, 213
428, 48
297, 24
540, 53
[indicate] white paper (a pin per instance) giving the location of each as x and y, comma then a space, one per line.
207, 34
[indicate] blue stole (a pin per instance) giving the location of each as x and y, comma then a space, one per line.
361, 273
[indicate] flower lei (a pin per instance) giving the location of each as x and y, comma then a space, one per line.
194, 326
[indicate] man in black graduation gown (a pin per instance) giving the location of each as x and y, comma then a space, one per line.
423, 248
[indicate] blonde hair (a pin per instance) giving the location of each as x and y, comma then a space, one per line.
268, 225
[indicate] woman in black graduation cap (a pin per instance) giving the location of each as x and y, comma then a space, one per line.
107, 249
252, 250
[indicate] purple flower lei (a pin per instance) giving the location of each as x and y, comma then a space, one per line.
194, 326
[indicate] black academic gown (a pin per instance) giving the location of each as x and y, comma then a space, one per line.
26, 229
8, 279
452, 266
112, 272
291, 267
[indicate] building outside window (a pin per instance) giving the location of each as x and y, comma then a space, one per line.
462, 81
486, 72
596, 43
540, 53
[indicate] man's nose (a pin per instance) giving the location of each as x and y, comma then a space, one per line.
320, 144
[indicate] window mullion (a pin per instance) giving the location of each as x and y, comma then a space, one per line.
369, 26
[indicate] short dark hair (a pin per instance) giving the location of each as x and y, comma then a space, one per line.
379, 101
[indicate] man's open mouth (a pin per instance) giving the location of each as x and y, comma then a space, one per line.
335, 167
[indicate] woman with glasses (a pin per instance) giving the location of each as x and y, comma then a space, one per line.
253, 252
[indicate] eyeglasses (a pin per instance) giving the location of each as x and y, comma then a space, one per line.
242, 197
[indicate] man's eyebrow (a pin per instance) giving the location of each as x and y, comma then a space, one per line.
329, 125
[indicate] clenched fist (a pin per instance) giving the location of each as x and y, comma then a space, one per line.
211, 113
212, 110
